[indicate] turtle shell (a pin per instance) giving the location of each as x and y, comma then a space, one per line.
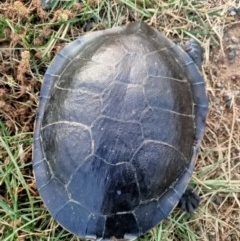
120, 119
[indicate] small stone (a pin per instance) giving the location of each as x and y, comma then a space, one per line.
234, 40
237, 9
219, 85
232, 54
221, 108
228, 98
131, 16
231, 46
234, 77
225, 38
233, 13
216, 199
87, 26
2, 104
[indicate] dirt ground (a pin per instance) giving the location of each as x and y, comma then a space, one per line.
221, 140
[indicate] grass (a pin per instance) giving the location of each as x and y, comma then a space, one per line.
30, 38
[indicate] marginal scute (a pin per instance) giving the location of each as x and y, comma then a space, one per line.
49, 81
200, 121
198, 91
38, 155
56, 66
55, 195
74, 216
160, 62
168, 200
44, 173
148, 214
95, 226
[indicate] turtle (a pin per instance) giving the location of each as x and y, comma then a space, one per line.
121, 116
